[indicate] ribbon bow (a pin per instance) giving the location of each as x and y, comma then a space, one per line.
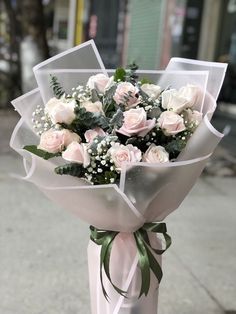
146, 257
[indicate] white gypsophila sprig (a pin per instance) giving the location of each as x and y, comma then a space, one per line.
40, 120
81, 93
101, 169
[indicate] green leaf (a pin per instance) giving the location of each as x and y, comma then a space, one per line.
120, 75
131, 75
174, 147
106, 177
39, 152
56, 87
72, 169
145, 80
117, 119
95, 96
88, 120
155, 112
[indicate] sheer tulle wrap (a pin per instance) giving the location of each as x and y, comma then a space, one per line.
146, 192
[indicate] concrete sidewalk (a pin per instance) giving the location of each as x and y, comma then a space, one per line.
43, 264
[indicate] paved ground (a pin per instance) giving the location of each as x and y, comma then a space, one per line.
43, 263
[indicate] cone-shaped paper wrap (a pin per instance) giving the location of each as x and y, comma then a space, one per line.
146, 193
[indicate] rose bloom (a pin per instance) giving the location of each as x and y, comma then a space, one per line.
194, 116
60, 111
156, 154
136, 123
192, 93
77, 152
120, 153
171, 123
70, 137
95, 107
172, 100
91, 134
100, 82
126, 94
52, 141
152, 90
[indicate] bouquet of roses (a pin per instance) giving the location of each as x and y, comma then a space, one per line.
130, 144
112, 120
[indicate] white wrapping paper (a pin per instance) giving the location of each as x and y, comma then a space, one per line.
146, 193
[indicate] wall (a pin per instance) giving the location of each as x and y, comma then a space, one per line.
145, 33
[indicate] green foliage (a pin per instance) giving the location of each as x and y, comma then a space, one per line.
117, 119
109, 105
174, 147
146, 98
56, 87
39, 152
72, 169
106, 177
88, 120
145, 80
95, 97
131, 75
155, 112
120, 75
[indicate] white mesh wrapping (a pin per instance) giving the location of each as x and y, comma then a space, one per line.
147, 192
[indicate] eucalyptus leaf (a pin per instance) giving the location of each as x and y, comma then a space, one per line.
56, 87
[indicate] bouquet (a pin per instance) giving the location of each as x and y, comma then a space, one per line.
129, 145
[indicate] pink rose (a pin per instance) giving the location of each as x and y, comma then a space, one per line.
70, 137
194, 116
171, 123
156, 154
76, 152
126, 94
60, 110
120, 153
100, 82
52, 141
136, 123
91, 134
94, 107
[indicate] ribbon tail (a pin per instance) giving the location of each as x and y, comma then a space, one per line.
143, 264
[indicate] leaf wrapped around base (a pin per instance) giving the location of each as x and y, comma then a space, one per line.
39, 152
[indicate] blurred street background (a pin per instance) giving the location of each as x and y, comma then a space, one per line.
43, 262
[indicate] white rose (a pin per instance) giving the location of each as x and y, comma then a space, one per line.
172, 100
171, 123
156, 154
120, 153
190, 92
95, 107
153, 91
60, 111
100, 82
